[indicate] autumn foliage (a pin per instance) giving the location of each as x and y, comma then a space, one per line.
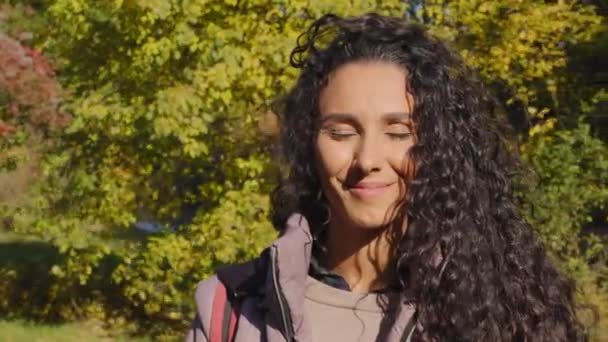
164, 114
30, 95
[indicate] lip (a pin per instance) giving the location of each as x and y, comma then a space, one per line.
369, 189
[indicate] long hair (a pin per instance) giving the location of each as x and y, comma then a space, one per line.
495, 282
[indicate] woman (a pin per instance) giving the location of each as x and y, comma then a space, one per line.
397, 219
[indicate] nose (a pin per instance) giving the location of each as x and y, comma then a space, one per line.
369, 154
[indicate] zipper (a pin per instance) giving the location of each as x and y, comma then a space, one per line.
285, 317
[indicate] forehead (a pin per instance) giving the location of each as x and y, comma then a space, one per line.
366, 88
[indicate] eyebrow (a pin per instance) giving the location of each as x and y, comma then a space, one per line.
389, 117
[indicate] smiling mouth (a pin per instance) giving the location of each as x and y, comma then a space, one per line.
368, 190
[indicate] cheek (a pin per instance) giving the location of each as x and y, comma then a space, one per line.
333, 158
402, 163
402, 166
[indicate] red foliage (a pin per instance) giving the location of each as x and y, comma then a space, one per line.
28, 89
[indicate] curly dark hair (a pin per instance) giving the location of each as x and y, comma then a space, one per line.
496, 282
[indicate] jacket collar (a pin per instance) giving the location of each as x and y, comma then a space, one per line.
292, 253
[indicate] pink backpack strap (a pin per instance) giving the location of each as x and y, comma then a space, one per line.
224, 316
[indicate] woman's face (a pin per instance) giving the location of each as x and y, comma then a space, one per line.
363, 141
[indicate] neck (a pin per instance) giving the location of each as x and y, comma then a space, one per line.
361, 256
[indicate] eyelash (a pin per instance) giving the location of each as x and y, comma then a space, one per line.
336, 135
399, 136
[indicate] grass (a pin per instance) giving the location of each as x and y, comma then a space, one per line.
20, 331
19, 249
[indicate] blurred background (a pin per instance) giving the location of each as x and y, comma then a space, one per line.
136, 145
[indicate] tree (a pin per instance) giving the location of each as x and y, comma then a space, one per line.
166, 98
30, 96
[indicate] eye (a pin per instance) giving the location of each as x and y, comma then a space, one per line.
399, 136
399, 131
340, 133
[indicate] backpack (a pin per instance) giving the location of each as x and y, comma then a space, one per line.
224, 316
245, 279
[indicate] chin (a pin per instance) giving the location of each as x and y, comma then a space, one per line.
368, 219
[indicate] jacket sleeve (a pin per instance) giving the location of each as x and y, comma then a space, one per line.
199, 328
